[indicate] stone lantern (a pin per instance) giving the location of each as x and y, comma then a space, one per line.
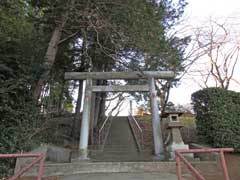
174, 139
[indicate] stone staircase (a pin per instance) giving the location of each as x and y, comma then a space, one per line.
123, 176
120, 145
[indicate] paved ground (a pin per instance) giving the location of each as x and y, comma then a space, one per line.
122, 176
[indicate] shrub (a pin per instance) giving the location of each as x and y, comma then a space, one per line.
19, 67
218, 117
18, 116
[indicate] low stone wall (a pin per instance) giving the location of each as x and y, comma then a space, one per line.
204, 156
53, 154
147, 135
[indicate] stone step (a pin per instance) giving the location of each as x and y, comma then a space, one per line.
103, 167
51, 169
111, 152
121, 156
116, 155
115, 150
123, 176
120, 151
113, 145
122, 159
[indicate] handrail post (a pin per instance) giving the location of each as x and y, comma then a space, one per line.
224, 165
40, 168
178, 166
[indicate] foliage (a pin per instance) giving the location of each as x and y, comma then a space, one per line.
218, 116
20, 54
121, 30
115, 36
188, 121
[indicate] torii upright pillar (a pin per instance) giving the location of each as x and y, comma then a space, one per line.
157, 132
84, 134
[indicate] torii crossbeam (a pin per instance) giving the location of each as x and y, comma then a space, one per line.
119, 75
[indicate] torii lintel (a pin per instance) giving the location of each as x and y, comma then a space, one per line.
120, 75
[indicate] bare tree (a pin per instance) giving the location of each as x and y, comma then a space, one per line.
215, 54
163, 88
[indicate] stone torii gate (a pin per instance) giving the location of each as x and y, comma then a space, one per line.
134, 75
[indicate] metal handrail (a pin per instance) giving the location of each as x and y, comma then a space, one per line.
139, 139
39, 158
105, 121
195, 172
135, 122
100, 135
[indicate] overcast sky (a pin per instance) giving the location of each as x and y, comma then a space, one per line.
196, 13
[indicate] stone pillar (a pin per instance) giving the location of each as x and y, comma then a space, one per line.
157, 132
84, 134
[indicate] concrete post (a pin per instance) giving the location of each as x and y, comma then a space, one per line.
84, 134
157, 132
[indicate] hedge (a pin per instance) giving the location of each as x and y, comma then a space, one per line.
218, 117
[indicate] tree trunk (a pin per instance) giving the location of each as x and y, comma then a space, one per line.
97, 108
49, 60
92, 117
51, 53
102, 106
60, 103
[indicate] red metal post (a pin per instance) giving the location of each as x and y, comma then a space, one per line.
24, 169
184, 151
178, 166
193, 171
40, 168
19, 155
224, 165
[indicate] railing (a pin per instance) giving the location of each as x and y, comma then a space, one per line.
104, 130
137, 131
179, 157
38, 158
